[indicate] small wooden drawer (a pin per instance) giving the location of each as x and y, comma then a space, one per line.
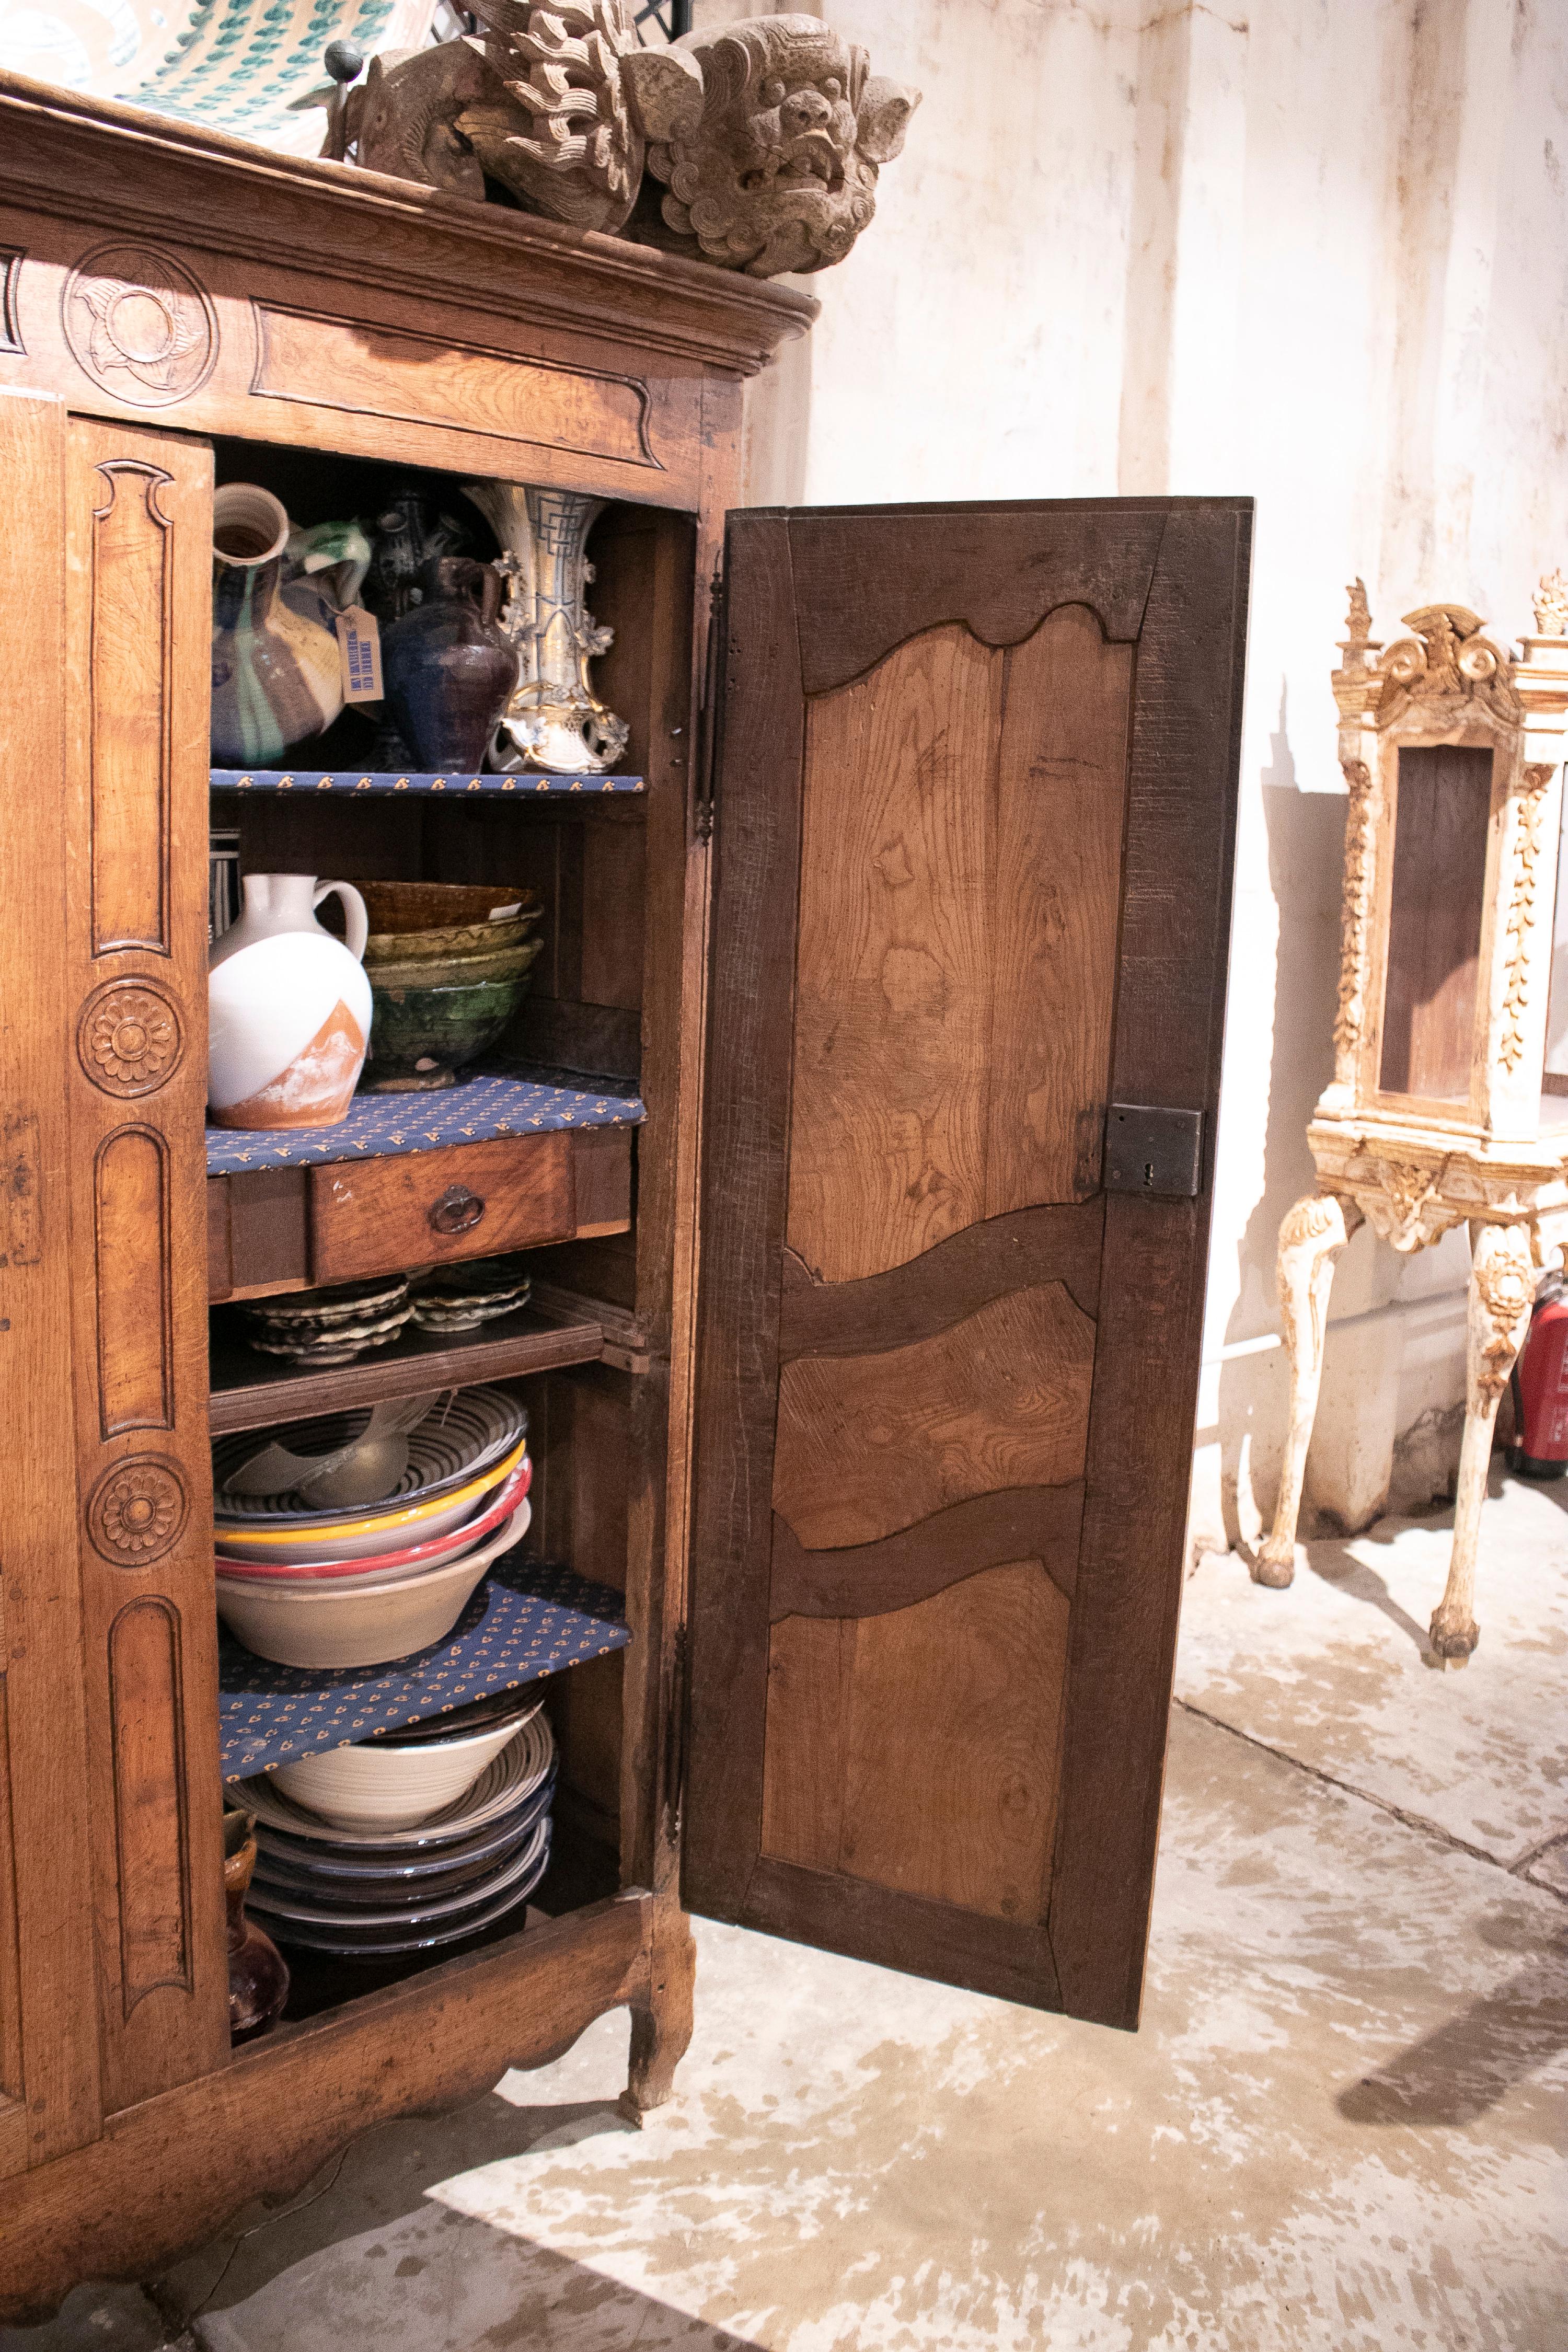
288, 1229
370, 1215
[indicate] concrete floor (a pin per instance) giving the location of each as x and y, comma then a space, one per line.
1340, 2127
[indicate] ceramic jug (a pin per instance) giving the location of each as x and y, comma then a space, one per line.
257, 1973
449, 668
276, 670
288, 1007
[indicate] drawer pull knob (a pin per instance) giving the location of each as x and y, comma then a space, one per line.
458, 1211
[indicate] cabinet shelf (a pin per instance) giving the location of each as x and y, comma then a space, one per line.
250, 1390
345, 784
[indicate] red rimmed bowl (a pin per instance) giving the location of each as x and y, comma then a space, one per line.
434, 1552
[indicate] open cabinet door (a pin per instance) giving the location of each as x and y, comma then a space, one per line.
975, 791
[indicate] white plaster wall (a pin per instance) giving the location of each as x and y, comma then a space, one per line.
1317, 254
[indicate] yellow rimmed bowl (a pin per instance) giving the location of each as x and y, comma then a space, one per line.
362, 1535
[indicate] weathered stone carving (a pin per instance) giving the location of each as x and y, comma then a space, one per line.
769, 135
762, 140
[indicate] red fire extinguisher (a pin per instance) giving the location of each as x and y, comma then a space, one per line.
1540, 1448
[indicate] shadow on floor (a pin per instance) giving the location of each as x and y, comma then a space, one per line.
368, 2196
1469, 2065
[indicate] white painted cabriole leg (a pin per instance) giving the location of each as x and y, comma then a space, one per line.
1310, 1238
1503, 1291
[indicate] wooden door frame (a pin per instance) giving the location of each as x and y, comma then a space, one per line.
806, 613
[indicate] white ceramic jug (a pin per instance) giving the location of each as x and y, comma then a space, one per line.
288, 1007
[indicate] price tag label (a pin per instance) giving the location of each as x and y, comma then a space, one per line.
359, 648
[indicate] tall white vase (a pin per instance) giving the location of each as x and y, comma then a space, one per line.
289, 1008
554, 719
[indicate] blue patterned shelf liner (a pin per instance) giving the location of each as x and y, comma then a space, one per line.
350, 780
379, 1126
527, 1618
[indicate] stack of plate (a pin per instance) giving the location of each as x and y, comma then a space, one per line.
318, 1328
370, 1894
460, 1298
360, 1586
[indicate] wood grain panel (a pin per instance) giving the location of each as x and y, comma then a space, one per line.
135, 1320
11, 2074
1058, 1243
862, 1580
961, 877
428, 379
151, 1831
127, 683
919, 1750
888, 1119
1436, 905
1056, 900
867, 1445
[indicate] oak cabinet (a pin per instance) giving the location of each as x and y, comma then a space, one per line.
863, 1371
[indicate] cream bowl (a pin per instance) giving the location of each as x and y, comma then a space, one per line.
367, 1786
366, 1625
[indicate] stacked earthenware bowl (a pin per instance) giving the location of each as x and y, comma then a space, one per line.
357, 1538
448, 965
408, 1842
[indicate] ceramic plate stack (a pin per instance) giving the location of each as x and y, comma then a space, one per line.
373, 1892
361, 1585
460, 1298
318, 1328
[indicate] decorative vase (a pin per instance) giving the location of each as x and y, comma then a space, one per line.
257, 1973
277, 672
449, 670
289, 1008
554, 719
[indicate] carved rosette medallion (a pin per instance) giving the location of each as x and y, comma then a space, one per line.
136, 1511
1504, 1295
129, 1039
139, 324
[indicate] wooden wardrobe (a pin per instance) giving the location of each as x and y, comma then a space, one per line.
867, 1370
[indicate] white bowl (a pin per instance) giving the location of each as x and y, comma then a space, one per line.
365, 1787
368, 1625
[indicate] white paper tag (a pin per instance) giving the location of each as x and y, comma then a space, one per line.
359, 647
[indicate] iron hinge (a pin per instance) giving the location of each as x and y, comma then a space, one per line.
1149, 1149
707, 715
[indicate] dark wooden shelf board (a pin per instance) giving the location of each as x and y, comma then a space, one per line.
347, 783
250, 1391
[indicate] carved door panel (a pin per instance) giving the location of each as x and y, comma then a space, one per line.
48, 2025
975, 794
138, 636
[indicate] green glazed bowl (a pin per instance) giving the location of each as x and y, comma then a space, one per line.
420, 1037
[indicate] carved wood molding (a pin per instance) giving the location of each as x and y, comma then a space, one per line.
1350, 1018
140, 324
1521, 910
139, 175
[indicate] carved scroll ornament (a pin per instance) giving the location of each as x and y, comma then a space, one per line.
760, 142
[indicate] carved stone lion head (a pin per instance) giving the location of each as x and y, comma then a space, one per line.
768, 136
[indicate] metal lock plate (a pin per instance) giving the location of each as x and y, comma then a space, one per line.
1151, 1150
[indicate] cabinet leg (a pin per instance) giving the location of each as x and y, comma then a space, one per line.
661, 2019
1502, 1292
1313, 1234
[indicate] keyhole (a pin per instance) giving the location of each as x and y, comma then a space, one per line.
1148, 1175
